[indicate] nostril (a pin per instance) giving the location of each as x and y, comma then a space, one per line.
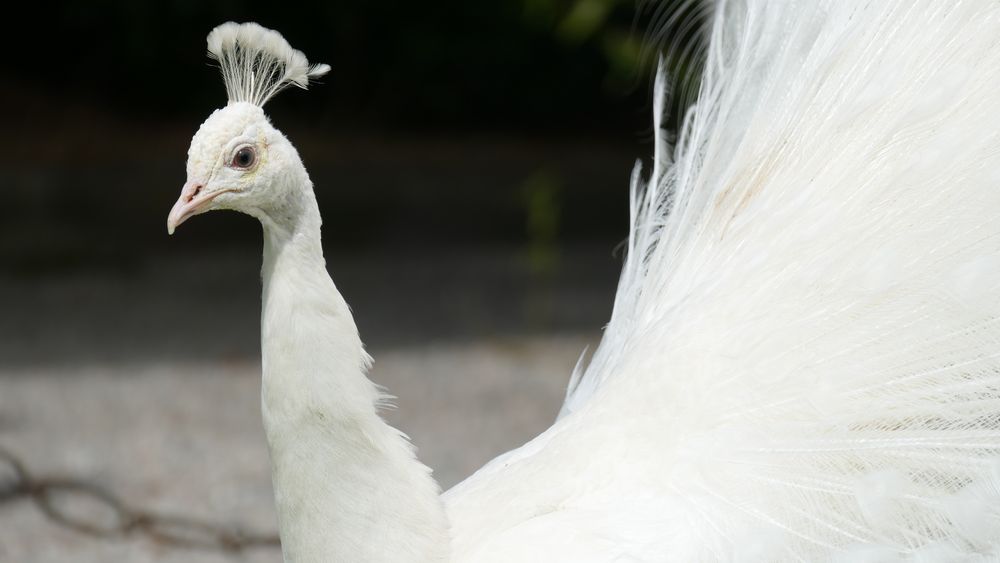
197, 190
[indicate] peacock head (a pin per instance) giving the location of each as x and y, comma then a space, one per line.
237, 159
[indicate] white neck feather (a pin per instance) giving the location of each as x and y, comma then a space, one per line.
348, 487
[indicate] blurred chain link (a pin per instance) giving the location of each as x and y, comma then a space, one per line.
109, 517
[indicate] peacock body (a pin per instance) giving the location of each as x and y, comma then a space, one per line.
803, 362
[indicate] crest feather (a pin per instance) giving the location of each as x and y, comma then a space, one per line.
257, 62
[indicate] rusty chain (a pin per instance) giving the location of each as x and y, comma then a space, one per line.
17, 483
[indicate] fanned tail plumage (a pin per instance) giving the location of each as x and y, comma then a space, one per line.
810, 308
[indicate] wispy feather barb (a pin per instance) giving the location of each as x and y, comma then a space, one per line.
807, 326
257, 62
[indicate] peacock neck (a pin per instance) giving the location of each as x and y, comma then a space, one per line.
348, 487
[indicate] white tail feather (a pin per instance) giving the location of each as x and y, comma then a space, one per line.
257, 62
812, 290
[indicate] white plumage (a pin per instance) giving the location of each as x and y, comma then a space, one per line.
257, 62
803, 363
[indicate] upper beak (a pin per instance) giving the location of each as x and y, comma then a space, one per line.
193, 200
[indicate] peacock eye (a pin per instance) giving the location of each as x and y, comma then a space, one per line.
244, 158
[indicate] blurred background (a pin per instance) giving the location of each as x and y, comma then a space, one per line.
471, 160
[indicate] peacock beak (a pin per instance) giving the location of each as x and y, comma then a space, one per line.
188, 205
193, 200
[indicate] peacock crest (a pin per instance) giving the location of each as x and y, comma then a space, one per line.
257, 62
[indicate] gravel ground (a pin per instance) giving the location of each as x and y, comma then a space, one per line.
147, 383
186, 439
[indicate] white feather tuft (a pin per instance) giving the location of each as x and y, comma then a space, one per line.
257, 62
